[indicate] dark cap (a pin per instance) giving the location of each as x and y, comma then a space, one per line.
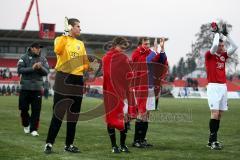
36, 45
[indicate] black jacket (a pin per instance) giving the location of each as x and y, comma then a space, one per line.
32, 79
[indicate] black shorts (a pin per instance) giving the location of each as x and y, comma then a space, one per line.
27, 97
68, 93
68, 84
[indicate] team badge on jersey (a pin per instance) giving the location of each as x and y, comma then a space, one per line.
222, 58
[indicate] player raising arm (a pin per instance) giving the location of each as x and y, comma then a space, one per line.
215, 60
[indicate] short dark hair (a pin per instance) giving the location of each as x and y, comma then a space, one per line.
36, 45
72, 21
220, 40
141, 39
119, 41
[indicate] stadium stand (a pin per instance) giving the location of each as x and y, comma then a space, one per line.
7, 62
14, 43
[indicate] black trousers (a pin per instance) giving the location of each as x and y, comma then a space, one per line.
69, 105
33, 98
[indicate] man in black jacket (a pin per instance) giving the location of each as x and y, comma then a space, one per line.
32, 67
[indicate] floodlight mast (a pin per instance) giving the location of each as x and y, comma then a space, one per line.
28, 14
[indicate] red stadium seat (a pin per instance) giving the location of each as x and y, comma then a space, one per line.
8, 63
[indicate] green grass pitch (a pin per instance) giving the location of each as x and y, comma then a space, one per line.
178, 131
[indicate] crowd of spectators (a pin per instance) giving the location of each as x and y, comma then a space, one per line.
7, 90
5, 73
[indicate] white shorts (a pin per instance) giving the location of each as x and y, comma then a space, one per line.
217, 96
151, 100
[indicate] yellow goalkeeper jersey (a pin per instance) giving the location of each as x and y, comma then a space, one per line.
71, 55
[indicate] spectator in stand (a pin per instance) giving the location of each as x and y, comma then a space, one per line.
1, 72
7, 73
17, 90
4, 90
4, 74
8, 90
10, 75
13, 90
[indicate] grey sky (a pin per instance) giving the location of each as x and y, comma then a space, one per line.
179, 20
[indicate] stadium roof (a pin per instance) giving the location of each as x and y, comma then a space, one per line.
91, 39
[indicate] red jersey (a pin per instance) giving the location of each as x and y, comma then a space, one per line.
215, 67
116, 67
140, 54
140, 68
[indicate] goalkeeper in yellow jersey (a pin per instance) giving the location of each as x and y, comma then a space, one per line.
71, 64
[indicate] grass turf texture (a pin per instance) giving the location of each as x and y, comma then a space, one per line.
179, 130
